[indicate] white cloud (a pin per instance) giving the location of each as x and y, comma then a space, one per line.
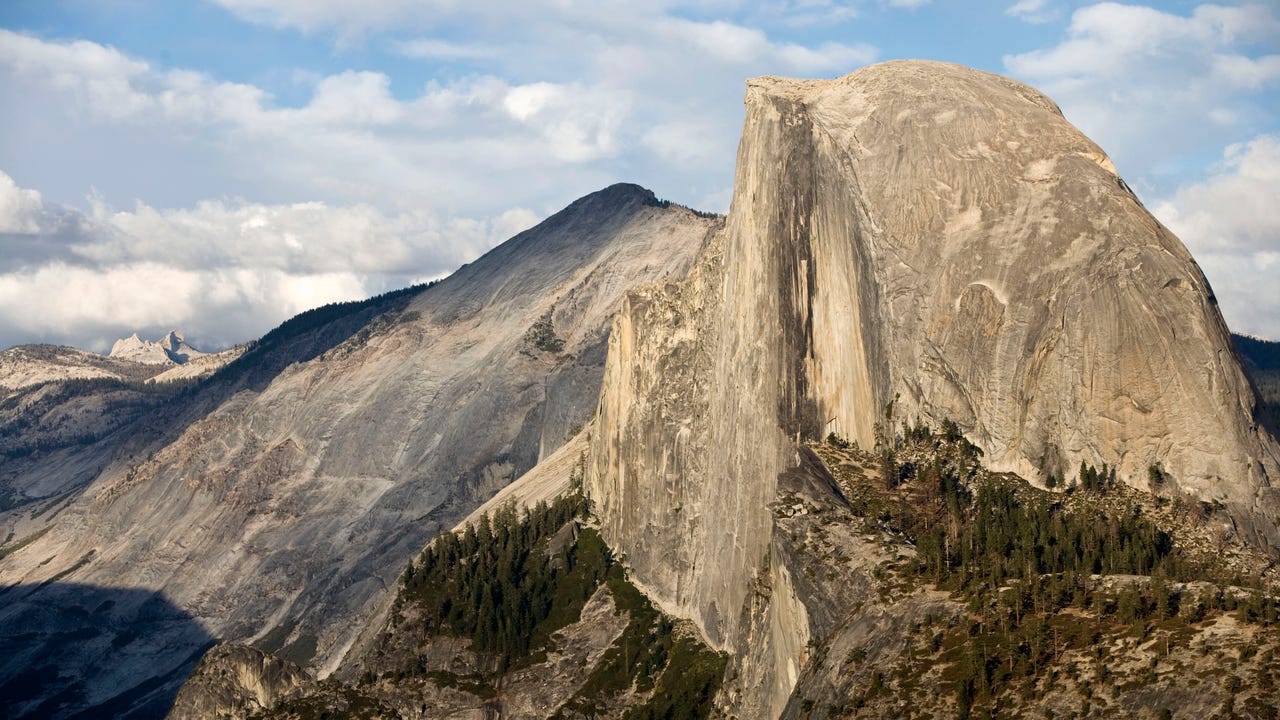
60, 301
223, 271
19, 208
351, 99
809, 13
735, 44
352, 175
683, 142
458, 147
106, 85
352, 137
1230, 224
1158, 90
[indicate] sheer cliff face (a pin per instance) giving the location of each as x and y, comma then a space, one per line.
294, 503
925, 234
1026, 292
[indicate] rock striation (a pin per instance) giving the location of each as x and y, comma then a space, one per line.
913, 240
278, 503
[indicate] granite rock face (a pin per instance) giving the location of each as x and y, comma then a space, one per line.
925, 235
170, 349
234, 681
279, 507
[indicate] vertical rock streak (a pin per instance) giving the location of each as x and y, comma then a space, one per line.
927, 234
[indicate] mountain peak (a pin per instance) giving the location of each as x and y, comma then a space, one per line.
171, 348
616, 197
172, 340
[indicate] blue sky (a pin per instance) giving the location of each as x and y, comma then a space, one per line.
221, 165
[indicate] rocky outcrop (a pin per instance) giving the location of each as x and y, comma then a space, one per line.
170, 349
234, 681
279, 502
914, 240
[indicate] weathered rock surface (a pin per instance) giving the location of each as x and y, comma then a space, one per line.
200, 366
170, 349
282, 499
234, 681
549, 479
57, 405
927, 235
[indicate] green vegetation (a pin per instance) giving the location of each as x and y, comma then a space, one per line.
510, 582
474, 684
496, 584
1262, 364
980, 545
10, 549
301, 650
681, 672
1041, 573
24, 428
274, 640
655, 201
317, 318
334, 702
542, 334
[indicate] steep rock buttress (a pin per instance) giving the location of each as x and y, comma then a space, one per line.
925, 235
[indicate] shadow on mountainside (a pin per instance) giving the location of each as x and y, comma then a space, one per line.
82, 651
1261, 361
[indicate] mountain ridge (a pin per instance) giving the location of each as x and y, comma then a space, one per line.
286, 491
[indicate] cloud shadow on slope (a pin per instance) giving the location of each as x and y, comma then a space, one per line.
69, 650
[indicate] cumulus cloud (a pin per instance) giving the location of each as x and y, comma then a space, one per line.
352, 138
60, 302
355, 185
103, 83
1151, 86
223, 271
19, 208
1230, 224
603, 84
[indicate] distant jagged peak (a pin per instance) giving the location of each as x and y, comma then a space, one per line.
172, 348
126, 345
172, 340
